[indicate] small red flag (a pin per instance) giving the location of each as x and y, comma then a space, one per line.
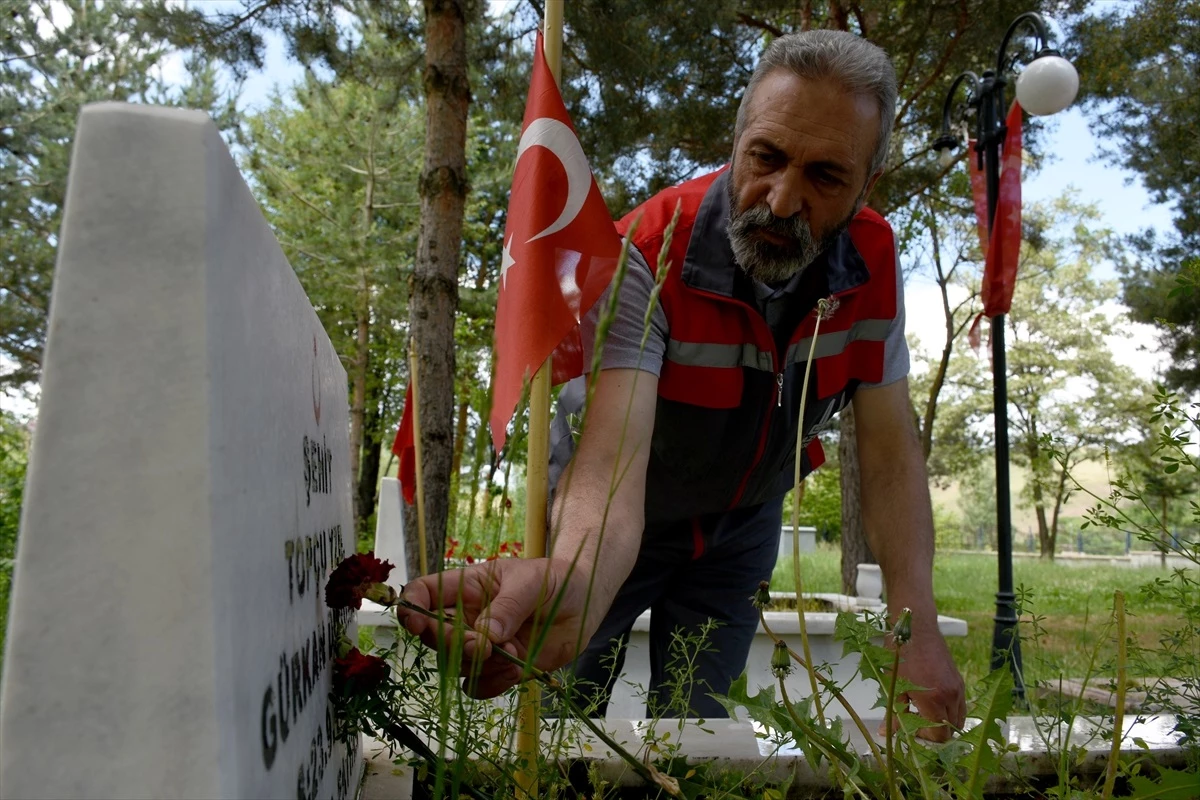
560, 250
1004, 249
405, 449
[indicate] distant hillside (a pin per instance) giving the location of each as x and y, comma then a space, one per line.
1092, 474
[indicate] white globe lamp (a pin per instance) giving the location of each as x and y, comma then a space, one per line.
1048, 85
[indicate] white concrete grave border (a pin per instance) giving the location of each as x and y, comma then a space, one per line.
741, 746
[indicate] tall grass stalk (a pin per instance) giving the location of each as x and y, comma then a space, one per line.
662, 268
889, 718
602, 329
529, 724
825, 308
1114, 754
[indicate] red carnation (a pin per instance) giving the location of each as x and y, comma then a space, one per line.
358, 576
363, 672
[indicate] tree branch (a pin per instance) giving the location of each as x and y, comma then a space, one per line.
940, 67
761, 24
253, 13
296, 193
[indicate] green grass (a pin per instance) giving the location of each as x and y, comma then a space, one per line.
1073, 603
821, 571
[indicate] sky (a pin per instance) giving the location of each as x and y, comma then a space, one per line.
1073, 161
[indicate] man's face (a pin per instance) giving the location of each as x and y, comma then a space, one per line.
800, 172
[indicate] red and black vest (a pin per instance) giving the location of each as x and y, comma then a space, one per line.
729, 390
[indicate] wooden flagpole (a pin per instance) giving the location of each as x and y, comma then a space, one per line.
537, 469
423, 548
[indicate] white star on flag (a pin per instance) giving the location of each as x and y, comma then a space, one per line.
506, 261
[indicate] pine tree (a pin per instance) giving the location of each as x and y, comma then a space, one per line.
54, 58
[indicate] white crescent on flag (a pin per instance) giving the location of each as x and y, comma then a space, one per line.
560, 140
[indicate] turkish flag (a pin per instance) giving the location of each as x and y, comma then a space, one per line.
1004, 248
560, 250
406, 449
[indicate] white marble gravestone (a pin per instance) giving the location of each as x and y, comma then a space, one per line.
188, 493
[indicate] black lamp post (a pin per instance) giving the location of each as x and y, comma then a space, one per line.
1046, 86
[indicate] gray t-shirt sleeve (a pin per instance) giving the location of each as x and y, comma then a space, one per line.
895, 346
622, 348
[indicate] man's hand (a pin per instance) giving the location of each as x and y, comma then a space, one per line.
898, 519
506, 603
925, 661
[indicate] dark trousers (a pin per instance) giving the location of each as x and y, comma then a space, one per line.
688, 573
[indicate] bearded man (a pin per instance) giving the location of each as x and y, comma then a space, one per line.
672, 498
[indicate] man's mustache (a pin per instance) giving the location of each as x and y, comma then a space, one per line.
760, 217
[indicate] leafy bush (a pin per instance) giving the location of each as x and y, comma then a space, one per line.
822, 506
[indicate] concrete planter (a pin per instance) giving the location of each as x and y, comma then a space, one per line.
861, 694
627, 702
808, 540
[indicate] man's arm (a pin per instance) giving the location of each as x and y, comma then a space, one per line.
599, 510
898, 518
598, 518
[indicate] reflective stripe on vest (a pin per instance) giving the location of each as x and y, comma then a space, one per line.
713, 355
708, 354
834, 342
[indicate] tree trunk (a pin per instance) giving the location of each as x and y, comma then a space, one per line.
1060, 497
855, 549
443, 189
358, 380
1045, 535
412, 547
939, 374
362, 338
1039, 506
476, 468
460, 438
365, 495
503, 508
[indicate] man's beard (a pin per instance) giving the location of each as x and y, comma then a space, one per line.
766, 261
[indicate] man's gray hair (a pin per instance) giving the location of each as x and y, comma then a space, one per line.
859, 66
